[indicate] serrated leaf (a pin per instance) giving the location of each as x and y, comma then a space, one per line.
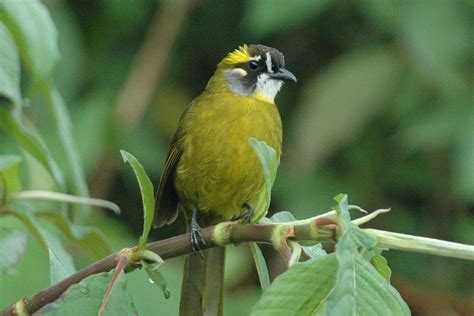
380, 264
357, 284
12, 248
269, 162
266, 17
91, 239
34, 32
9, 67
301, 290
339, 101
260, 265
33, 145
146, 190
48, 240
9, 175
156, 277
85, 298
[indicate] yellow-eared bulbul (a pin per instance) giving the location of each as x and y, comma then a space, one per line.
211, 172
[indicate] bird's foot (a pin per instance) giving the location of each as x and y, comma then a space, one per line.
248, 214
196, 236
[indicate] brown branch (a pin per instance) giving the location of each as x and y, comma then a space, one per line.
219, 235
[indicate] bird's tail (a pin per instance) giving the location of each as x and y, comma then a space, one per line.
202, 291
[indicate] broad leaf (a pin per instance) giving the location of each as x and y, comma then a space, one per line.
146, 190
9, 175
34, 32
314, 251
32, 144
12, 248
301, 290
9, 67
85, 298
90, 239
360, 289
380, 264
48, 240
282, 217
269, 163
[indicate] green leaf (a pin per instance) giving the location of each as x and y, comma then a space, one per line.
9, 175
261, 265
148, 199
48, 240
269, 162
156, 277
12, 248
315, 251
57, 271
33, 145
85, 297
34, 32
374, 295
90, 239
360, 289
338, 103
9, 67
301, 290
265, 17
282, 217
62, 125
380, 264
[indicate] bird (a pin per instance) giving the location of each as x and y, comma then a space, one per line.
211, 173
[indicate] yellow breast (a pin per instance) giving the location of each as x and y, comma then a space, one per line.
218, 171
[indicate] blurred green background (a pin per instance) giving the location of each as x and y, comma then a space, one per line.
382, 111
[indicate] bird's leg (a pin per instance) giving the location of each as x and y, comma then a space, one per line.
196, 236
248, 214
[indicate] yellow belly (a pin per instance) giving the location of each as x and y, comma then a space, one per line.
218, 171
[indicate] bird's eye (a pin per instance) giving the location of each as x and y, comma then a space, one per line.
253, 64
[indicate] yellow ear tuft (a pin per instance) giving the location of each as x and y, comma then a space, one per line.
238, 56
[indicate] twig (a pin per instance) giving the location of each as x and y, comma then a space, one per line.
166, 249
228, 232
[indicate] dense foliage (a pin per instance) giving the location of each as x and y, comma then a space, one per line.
382, 110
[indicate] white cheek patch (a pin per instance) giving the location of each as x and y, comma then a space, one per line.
267, 87
268, 61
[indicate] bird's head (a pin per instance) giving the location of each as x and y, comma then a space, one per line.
254, 70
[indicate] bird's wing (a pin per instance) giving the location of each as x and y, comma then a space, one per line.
166, 208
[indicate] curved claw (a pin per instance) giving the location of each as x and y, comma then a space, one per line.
196, 235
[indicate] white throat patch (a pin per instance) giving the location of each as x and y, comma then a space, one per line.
267, 88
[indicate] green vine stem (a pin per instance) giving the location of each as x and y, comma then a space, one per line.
418, 244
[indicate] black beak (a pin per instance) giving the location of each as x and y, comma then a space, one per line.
284, 75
